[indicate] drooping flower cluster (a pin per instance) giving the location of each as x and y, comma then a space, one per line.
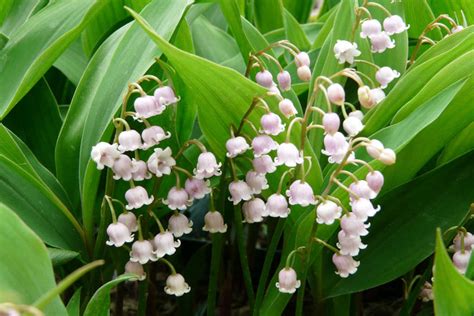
462, 246
160, 163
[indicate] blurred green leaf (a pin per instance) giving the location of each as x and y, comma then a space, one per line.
232, 15
418, 15
294, 32
26, 272
300, 9
74, 305
61, 256
268, 15
460, 144
13, 13
457, 9
73, 62
453, 293
37, 44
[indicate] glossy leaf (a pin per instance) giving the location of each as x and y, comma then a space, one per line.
61, 256
21, 281
74, 305
419, 14
73, 62
300, 9
294, 32
231, 12
15, 12
268, 15
462, 143
37, 44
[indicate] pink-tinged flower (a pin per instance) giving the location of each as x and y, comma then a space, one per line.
165, 96
461, 260
274, 90
179, 225
137, 197
369, 98
352, 125
300, 193
302, 59
104, 154
287, 108
271, 124
349, 246
161, 162
370, 27
165, 244
363, 208
288, 155
256, 181
362, 190
336, 94
304, 73
130, 220
457, 28
177, 199
239, 191
254, 210
426, 293
236, 146
388, 156
140, 170
207, 166
380, 42
135, 268
374, 148
394, 24
129, 141
277, 206
153, 136
336, 147
118, 234
197, 188
375, 180
346, 51
357, 114
176, 285
468, 241
263, 144
331, 122
123, 168
142, 252
264, 78
354, 226
345, 265
385, 75
327, 212
263, 164
146, 107
284, 80
214, 223
287, 281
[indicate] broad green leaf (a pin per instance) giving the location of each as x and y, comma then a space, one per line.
268, 15
454, 294
311, 30
326, 29
26, 272
37, 122
294, 32
61, 256
300, 9
404, 227
460, 144
74, 305
73, 62
99, 304
418, 15
38, 207
13, 13
37, 44
460, 10
232, 15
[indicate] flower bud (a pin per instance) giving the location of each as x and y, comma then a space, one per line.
284, 80
179, 224
374, 148
468, 241
300, 193
461, 260
277, 206
177, 199
426, 293
104, 154
137, 197
353, 226
385, 75
335, 146
394, 24
331, 122
146, 107
236, 146
264, 78
357, 114
327, 212
129, 141
254, 210
139, 170
142, 252
457, 28
375, 180
349, 246
161, 162
287, 108
176, 285
370, 27
165, 244
288, 155
153, 136
263, 164
380, 42
239, 191
271, 124
388, 156
214, 222
345, 265
197, 188
302, 59
165, 96
362, 190
256, 181
287, 282
336, 94
346, 51
130, 220
263, 144
118, 234
304, 73
274, 90
123, 168
207, 166
352, 126
135, 268
363, 208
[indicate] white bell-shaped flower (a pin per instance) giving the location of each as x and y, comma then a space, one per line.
304, 73
118, 234
375, 181
288, 155
457, 28
336, 147
165, 244
287, 281
327, 212
177, 199
468, 241
362, 190
346, 51
123, 168
142, 252
277, 206
300, 193
197, 188
129, 141
331, 122
207, 166
271, 124
374, 148
104, 154
135, 268
461, 260
254, 210
137, 197
264, 78
165, 96
302, 59
256, 181
336, 94
353, 226
370, 27
346, 265
385, 75
363, 208
153, 136
146, 107
263, 164
287, 108
236, 146
349, 246
176, 285
426, 293
179, 225
381, 42
284, 80
161, 162
263, 144
239, 191
130, 220
388, 156
140, 170
214, 223
394, 24
352, 125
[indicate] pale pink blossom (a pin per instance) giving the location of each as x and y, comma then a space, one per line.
207, 166
271, 124
349, 245
161, 162
128, 219
346, 51
336, 94
327, 212
254, 210
176, 285
263, 144
277, 206
137, 197
214, 222
165, 244
381, 42
345, 265
104, 154
153, 136
284, 80
118, 234
287, 281
263, 164
300, 193
394, 24
289, 155
123, 168
331, 122
177, 199
165, 96
197, 188
287, 108
264, 78
142, 252
179, 225
385, 75
239, 191
370, 27
129, 141
236, 146
353, 226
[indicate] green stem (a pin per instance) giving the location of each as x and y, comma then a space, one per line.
173, 270
142, 297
